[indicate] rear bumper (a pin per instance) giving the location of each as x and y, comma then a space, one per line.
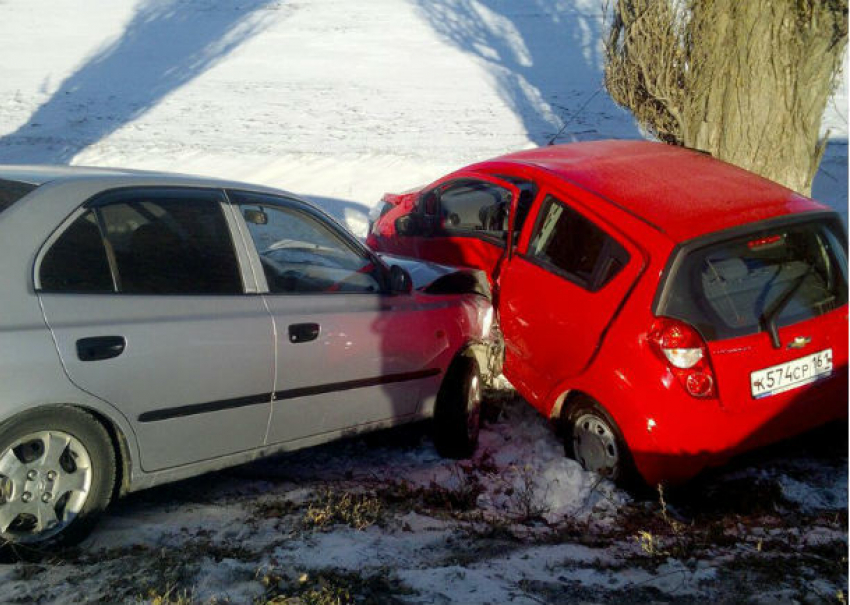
680, 443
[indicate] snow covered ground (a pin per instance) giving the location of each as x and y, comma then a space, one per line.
341, 101
385, 519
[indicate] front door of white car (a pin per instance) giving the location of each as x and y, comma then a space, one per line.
348, 353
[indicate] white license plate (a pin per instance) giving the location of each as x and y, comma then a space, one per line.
791, 374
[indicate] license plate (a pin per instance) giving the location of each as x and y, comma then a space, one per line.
791, 374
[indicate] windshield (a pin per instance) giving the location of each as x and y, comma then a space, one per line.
769, 277
12, 191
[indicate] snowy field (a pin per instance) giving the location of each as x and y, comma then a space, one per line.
341, 101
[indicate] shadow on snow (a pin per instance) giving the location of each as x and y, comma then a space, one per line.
546, 59
165, 45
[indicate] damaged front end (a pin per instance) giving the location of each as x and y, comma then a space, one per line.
485, 343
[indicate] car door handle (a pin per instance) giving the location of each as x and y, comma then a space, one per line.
303, 332
100, 347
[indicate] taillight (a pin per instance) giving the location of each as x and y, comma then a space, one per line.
686, 353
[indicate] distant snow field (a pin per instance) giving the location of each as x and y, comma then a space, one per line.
336, 100
341, 101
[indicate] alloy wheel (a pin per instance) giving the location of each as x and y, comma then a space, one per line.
45, 479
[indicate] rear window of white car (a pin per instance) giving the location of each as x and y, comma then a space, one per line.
12, 191
786, 274
160, 242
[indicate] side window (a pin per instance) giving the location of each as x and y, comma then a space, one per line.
568, 243
302, 254
475, 206
171, 244
527, 193
77, 262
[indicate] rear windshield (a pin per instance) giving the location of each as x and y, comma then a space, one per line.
785, 275
12, 191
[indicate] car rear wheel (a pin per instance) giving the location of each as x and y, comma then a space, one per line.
457, 415
57, 471
594, 440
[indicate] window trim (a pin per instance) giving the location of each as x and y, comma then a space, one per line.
120, 194
300, 206
536, 190
54, 236
609, 247
438, 230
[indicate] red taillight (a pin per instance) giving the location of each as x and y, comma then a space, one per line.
686, 353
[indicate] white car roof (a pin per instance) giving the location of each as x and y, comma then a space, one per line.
40, 174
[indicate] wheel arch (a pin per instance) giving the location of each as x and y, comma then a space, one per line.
567, 401
617, 398
471, 349
119, 444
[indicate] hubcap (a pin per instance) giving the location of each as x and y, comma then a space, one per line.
45, 479
595, 445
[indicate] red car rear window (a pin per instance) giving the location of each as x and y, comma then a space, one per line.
735, 287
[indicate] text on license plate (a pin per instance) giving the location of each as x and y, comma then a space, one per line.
791, 374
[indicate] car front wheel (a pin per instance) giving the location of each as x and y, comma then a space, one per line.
457, 415
57, 471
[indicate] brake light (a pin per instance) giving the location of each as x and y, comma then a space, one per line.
686, 353
764, 242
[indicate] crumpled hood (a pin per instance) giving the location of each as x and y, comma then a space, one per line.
433, 278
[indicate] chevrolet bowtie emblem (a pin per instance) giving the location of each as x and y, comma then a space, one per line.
799, 342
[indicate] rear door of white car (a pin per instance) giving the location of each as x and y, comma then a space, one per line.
153, 312
348, 353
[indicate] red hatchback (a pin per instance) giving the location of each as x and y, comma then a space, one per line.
671, 310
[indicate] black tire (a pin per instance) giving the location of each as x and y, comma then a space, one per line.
86, 437
457, 414
593, 439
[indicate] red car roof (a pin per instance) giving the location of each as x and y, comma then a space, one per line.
684, 193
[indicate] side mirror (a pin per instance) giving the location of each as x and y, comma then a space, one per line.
409, 225
400, 281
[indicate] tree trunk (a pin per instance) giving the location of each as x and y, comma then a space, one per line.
750, 81
763, 71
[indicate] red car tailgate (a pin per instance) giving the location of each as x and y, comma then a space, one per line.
736, 359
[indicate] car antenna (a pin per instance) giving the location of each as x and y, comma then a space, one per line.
574, 116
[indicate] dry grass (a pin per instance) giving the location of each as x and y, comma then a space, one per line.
332, 508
